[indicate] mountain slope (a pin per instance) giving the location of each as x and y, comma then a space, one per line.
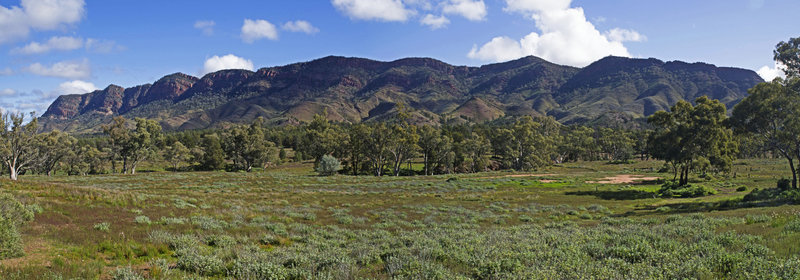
358, 89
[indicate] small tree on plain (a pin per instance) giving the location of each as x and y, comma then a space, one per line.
328, 166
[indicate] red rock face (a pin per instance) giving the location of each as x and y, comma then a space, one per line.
168, 88
105, 102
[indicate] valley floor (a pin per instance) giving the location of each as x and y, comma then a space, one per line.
576, 220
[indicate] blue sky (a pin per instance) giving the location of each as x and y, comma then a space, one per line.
54, 47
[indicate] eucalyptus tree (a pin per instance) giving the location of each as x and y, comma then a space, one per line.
248, 146
434, 147
176, 154
52, 148
141, 144
118, 137
17, 142
770, 115
788, 54
688, 134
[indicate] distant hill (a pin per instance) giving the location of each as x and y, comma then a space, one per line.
358, 89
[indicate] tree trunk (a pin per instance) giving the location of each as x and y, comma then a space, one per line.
794, 172
12, 173
425, 156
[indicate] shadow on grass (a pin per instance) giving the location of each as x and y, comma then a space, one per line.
696, 207
617, 195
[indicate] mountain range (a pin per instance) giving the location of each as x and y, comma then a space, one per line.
358, 90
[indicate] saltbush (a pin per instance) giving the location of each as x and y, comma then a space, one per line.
142, 220
104, 226
126, 273
328, 166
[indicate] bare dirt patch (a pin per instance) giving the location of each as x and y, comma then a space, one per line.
548, 181
623, 179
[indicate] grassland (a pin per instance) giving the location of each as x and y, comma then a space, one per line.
287, 223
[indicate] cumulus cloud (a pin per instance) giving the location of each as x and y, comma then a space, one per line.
469, 9
75, 87
103, 46
216, 63
16, 22
300, 26
6, 71
207, 26
38, 100
770, 73
66, 43
565, 37
434, 22
380, 10
624, 35
64, 69
253, 30
54, 44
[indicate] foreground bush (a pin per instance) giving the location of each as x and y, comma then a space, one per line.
12, 215
674, 189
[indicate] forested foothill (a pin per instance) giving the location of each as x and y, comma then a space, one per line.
693, 192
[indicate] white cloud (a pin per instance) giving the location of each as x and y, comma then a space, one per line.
75, 87
770, 73
300, 26
624, 35
207, 26
380, 10
102, 46
566, 37
6, 72
434, 22
8, 92
253, 30
63, 69
471, 10
16, 22
216, 63
534, 6
54, 44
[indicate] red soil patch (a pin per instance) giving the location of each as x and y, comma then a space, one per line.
623, 179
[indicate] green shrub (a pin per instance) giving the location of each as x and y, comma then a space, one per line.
126, 273
328, 166
104, 227
784, 184
190, 259
753, 219
12, 215
13, 210
221, 241
674, 189
10, 242
793, 226
142, 220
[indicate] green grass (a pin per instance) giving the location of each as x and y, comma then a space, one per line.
289, 222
